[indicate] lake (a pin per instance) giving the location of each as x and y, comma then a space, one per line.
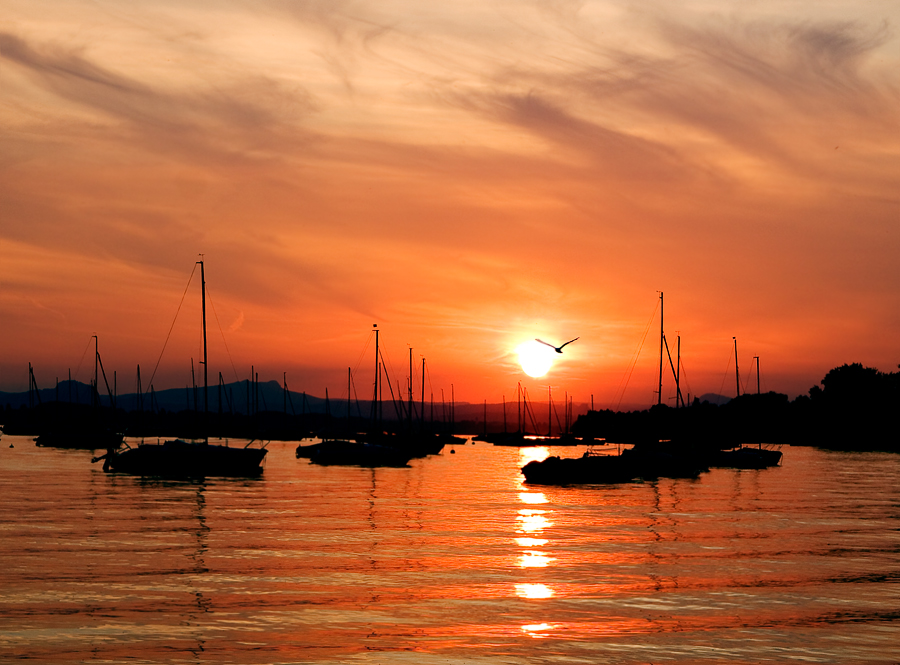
450, 561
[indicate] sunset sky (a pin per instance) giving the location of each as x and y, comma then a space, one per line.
467, 175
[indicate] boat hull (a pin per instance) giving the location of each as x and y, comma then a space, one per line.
353, 453
79, 440
640, 462
585, 470
183, 459
746, 458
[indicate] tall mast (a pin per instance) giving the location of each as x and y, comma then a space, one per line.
422, 415
678, 376
452, 410
549, 412
203, 305
95, 398
376, 404
737, 372
662, 336
757, 374
410, 391
205, 373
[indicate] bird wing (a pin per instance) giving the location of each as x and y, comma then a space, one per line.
569, 342
543, 342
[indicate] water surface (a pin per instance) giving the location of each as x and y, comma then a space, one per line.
453, 560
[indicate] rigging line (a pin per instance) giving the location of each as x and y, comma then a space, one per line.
83, 355
365, 350
556, 413
393, 400
386, 364
678, 394
747, 379
428, 374
529, 410
222, 333
158, 360
727, 367
355, 396
685, 379
635, 358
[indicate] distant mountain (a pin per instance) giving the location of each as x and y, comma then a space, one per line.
241, 397
236, 397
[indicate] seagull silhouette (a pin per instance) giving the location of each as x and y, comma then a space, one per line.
559, 348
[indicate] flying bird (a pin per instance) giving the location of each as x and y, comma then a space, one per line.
559, 348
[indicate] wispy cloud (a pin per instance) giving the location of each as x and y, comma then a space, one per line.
236, 117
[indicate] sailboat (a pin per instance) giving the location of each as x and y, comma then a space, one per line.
744, 456
373, 452
187, 459
68, 425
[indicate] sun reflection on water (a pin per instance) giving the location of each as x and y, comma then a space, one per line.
533, 454
533, 498
532, 559
533, 591
537, 629
532, 521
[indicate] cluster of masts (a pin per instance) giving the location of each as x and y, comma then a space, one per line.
676, 366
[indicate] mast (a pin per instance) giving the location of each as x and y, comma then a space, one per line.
140, 392
95, 398
549, 412
205, 358
452, 410
757, 374
662, 337
678, 376
422, 414
737, 372
376, 400
410, 391
520, 429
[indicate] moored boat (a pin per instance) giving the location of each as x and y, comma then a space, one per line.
354, 453
745, 457
180, 458
590, 468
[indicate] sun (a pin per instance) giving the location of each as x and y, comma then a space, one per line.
535, 358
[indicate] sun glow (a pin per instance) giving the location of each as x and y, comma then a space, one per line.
535, 358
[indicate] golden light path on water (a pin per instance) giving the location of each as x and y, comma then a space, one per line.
533, 522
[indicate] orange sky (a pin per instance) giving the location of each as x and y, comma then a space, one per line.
468, 176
